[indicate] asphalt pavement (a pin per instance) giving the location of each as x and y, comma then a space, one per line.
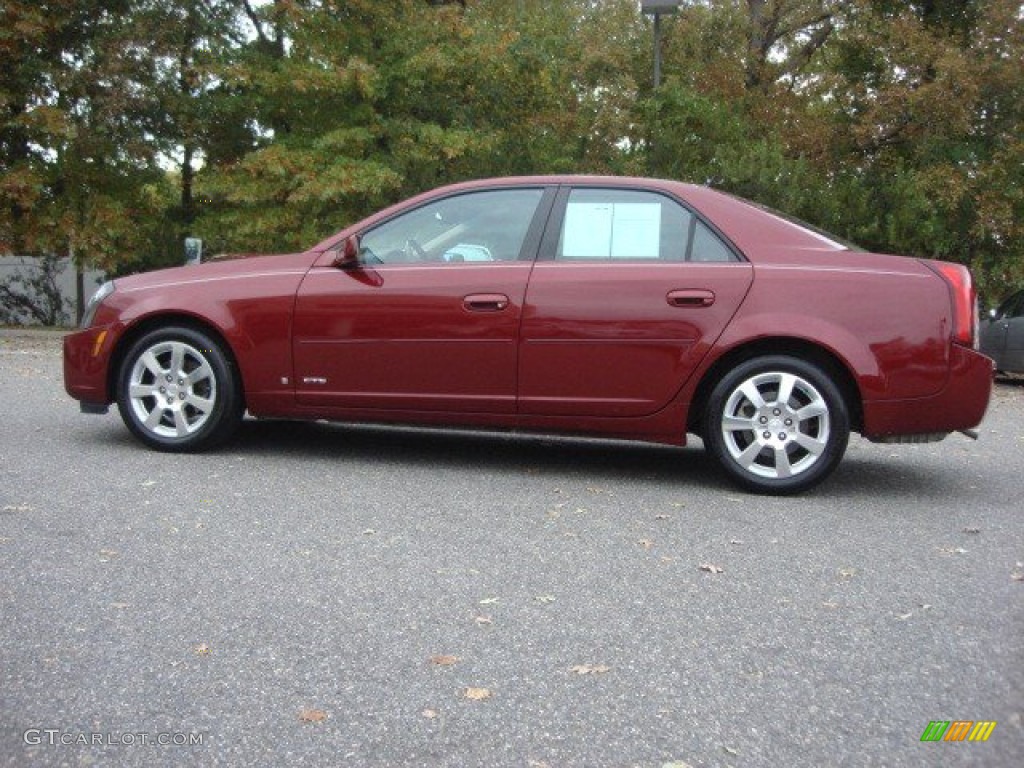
317, 594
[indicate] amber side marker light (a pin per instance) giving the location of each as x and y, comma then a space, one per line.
98, 343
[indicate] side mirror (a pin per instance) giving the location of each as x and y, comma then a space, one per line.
348, 254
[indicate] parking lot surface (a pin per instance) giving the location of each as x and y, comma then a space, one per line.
317, 594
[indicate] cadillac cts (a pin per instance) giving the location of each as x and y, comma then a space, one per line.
628, 308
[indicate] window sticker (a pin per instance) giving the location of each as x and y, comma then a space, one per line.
612, 231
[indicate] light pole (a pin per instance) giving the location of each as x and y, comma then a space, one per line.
658, 8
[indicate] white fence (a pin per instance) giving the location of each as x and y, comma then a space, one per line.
27, 267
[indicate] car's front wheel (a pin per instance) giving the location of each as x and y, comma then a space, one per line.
178, 390
777, 424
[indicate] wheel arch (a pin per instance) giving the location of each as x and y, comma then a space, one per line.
779, 345
140, 328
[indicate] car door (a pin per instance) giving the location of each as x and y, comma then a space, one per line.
1002, 338
630, 291
1014, 356
427, 319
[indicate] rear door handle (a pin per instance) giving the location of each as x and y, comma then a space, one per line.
690, 298
485, 302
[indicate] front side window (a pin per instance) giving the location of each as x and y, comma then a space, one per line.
632, 225
475, 227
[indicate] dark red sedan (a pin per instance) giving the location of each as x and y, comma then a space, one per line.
630, 308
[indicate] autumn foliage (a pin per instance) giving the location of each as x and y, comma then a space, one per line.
128, 124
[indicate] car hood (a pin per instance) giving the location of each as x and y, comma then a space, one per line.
240, 265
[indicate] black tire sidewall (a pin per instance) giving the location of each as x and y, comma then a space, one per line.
226, 412
839, 423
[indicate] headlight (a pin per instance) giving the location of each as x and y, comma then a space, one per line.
94, 303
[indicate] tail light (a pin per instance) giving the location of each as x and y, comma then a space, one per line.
965, 302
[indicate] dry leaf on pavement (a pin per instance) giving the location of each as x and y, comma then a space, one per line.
590, 669
307, 715
477, 694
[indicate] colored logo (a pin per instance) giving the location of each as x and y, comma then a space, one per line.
958, 730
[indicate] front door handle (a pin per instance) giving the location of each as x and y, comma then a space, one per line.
485, 302
690, 298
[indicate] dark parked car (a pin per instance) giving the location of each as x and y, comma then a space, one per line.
630, 308
1002, 336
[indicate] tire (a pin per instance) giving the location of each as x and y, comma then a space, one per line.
772, 444
177, 390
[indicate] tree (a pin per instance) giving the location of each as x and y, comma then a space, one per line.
928, 112
74, 164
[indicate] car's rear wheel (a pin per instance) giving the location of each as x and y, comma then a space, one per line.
777, 424
178, 390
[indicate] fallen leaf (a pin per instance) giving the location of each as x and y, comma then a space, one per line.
202, 650
847, 573
307, 715
545, 599
952, 550
735, 541
477, 694
430, 714
107, 554
729, 750
590, 669
444, 660
710, 568
369, 532
482, 620
663, 517
1017, 576
646, 543
17, 508
489, 601
119, 605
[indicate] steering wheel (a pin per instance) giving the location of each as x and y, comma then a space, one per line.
412, 248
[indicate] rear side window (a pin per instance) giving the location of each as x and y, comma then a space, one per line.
618, 225
1012, 307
